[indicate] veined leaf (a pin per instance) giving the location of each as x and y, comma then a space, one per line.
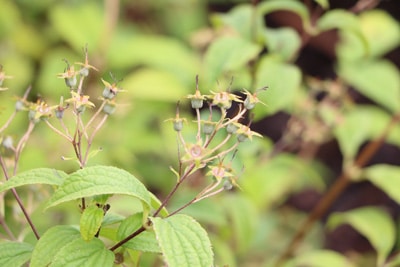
82, 253
183, 241
14, 254
373, 223
99, 180
90, 222
35, 176
51, 242
145, 241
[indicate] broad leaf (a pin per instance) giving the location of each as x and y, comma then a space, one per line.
373, 223
99, 180
183, 241
14, 254
386, 177
90, 222
51, 242
361, 124
283, 81
82, 253
377, 79
228, 54
145, 241
35, 176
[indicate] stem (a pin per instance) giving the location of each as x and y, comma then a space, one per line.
19, 201
6, 228
129, 237
335, 191
21, 145
90, 140
58, 131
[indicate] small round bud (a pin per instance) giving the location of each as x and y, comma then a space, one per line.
227, 185
208, 127
178, 125
231, 128
84, 72
109, 108
196, 103
108, 93
19, 105
242, 137
248, 103
71, 82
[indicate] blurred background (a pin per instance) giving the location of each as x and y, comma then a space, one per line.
158, 47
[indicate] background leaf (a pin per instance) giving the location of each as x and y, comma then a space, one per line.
35, 176
183, 241
14, 254
373, 223
90, 222
315, 258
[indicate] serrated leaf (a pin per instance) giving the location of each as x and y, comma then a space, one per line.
90, 222
97, 180
156, 203
14, 254
377, 79
283, 81
227, 54
315, 258
146, 241
35, 176
299, 8
386, 177
82, 253
183, 241
52, 241
373, 223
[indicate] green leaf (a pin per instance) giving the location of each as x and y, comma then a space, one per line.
377, 79
386, 177
373, 223
99, 180
361, 124
299, 8
78, 24
227, 54
14, 254
51, 243
156, 203
348, 23
146, 241
154, 85
381, 31
82, 253
90, 222
283, 41
183, 241
35, 176
242, 18
283, 81
314, 259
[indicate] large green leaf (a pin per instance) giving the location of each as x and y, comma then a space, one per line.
146, 241
386, 177
227, 54
283, 81
377, 79
183, 241
90, 222
35, 176
299, 8
98, 180
82, 253
373, 223
14, 254
51, 242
